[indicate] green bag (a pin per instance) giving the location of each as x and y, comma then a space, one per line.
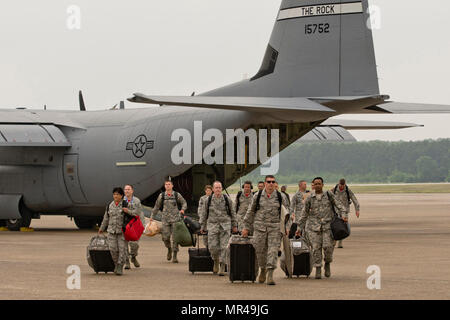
181, 234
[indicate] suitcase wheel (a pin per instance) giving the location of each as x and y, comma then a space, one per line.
106, 272
192, 272
96, 272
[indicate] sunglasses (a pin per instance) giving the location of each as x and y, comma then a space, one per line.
271, 181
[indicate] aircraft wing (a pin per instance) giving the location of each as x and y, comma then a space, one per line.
251, 104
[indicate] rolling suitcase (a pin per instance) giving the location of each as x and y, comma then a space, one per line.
302, 258
98, 255
242, 259
200, 259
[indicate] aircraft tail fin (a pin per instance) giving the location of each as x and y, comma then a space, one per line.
317, 48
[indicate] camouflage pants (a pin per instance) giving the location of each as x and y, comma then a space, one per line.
218, 238
132, 248
167, 234
321, 240
240, 221
117, 246
267, 242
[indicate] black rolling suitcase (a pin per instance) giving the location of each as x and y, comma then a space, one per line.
302, 257
242, 259
98, 255
200, 259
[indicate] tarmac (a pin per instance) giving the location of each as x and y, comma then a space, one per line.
406, 235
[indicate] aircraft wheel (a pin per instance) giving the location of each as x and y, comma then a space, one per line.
24, 222
85, 223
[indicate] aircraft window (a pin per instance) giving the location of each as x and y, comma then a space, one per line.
268, 64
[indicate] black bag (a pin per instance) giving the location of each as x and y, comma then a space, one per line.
193, 226
302, 258
339, 228
242, 261
302, 265
200, 259
98, 255
126, 217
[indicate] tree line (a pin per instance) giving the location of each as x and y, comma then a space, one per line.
365, 162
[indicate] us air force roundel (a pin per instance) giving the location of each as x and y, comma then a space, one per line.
140, 145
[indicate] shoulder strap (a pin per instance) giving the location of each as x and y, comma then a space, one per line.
107, 209
162, 201
207, 206
335, 189
330, 195
175, 194
258, 198
348, 194
227, 205
280, 200
238, 203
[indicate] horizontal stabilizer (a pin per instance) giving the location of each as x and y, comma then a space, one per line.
251, 104
369, 125
413, 108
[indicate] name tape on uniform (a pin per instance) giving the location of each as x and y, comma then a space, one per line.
320, 10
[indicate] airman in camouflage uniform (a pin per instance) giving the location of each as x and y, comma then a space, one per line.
219, 223
112, 223
135, 207
298, 200
201, 209
243, 200
316, 218
340, 192
266, 223
170, 215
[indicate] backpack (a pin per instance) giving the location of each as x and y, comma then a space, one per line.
346, 190
175, 194
238, 203
227, 205
258, 198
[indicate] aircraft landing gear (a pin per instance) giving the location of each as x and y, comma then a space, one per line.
24, 222
85, 223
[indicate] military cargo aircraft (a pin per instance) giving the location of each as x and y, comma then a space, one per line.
319, 63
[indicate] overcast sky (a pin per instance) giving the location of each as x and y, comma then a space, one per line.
176, 47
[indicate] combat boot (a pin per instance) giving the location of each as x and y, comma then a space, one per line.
169, 254
318, 273
216, 266
222, 270
262, 275
119, 270
174, 258
340, 245
270, 281
135, 262
327, 270
127, 265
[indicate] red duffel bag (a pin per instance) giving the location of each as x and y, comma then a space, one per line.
133, 230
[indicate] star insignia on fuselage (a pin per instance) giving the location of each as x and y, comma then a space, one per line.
140, 145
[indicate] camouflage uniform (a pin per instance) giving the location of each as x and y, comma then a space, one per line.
219, 225
317, 215
244, 203
170, 215
135, 208
266, 224
112, 223
201, 212
342, 197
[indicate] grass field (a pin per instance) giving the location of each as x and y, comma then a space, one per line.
378, 188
